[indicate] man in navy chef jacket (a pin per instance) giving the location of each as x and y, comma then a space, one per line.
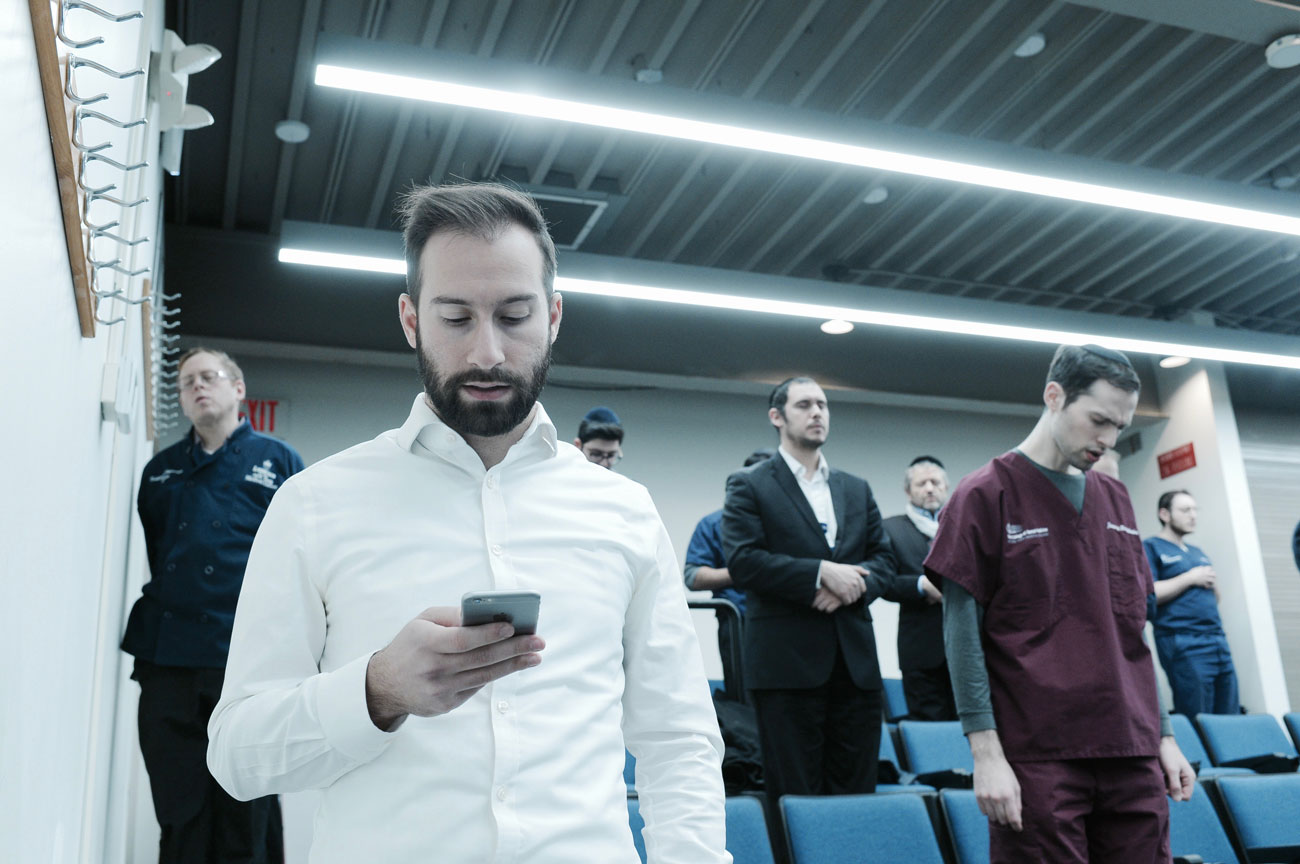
201, 501
1044, 594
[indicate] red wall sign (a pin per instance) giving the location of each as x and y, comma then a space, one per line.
261, 414
1176, 460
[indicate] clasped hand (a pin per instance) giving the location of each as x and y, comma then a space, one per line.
841, 584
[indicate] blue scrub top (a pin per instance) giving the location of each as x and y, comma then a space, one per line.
1193, 611
705, 550
200, 512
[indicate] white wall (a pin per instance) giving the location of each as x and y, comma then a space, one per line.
1195, 398
70, 551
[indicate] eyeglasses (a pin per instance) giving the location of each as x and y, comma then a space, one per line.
207, 376
604, 457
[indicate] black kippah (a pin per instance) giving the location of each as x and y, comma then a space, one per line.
919, 459
1109, 353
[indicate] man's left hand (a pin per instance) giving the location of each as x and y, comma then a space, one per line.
825, 601
1180, 779
931, 593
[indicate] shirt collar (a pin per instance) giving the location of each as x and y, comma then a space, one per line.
424, 431
239, 432
796, 468
923, 513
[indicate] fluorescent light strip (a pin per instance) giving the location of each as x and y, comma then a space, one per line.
624, 291
532, 105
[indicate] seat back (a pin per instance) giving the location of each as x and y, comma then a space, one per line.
1266, 813
629, 770
1195, 829
1230, 737
1189, 740
636, 823
967, 826
895, 700
935, 746
837, 829
1292, 721
747, 838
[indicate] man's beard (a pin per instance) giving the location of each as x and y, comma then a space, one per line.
482, 419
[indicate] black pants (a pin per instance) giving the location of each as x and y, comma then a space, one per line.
929, 694
200, 823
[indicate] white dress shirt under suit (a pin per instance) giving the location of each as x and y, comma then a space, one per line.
530, 768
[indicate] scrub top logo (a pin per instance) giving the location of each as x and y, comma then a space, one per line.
1017, 533
1170, 559
166, 475
262, 475
1123, 529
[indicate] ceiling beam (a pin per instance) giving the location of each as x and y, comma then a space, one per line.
239, 111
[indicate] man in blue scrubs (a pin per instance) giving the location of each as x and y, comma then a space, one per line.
1189, 635
706, 567
201, 501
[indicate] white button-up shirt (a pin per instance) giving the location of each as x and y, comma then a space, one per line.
530, 768
817, 489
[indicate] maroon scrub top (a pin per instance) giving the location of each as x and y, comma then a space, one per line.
1064, 596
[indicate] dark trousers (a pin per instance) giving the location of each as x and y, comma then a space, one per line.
200, 823
1087, 811
1201, 674
819, 741
929, 694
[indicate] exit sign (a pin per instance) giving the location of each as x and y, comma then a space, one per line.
264, 415
1176, 461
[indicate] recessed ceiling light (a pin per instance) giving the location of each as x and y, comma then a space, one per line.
292, 131
1283, 177
837, 326
876, 195
824, 312
1031, 47
1283, 53
1174, 362
767, 141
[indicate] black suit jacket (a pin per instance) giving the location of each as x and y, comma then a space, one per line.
774, 546
920, 624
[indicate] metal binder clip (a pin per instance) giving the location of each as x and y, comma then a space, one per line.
75, 62
71, 93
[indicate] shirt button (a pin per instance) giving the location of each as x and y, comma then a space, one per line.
496, 549
492, 481
207, 571
182, 526
171, 567
502, 792
167, 615
189, 483
450, 437
503, 706
216, 523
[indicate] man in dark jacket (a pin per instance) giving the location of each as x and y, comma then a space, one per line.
920, 616
805, 544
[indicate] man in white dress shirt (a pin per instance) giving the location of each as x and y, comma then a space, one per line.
349, 671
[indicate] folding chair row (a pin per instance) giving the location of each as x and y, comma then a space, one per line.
1254, 741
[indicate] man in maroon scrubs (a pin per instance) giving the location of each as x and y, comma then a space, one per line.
1045, 586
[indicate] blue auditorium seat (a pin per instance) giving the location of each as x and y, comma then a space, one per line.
636, 823
841, 829
629, 770
1265, 811
747, 837
1194, 829
1248, 740
1292, 721
895, 701
967, 826
937, 753
1190, 743
888, 754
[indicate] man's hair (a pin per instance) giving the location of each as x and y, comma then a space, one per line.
760, 455
481, 210
1167, 500
1076, 367
919, 461
231, 367
782, 392
591, 430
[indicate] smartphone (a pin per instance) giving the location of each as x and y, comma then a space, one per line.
518, 608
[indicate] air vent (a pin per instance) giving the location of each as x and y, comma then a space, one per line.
570, 219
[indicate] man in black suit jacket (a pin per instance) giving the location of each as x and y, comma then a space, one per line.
809, 552
920, 616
